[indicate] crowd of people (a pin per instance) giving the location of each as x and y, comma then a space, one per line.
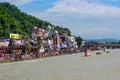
19, 55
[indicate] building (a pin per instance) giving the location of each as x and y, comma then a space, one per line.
37, 32
70, 41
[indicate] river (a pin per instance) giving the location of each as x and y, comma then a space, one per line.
105, 66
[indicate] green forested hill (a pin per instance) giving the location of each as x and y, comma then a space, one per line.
12, 20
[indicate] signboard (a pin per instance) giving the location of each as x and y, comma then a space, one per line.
14, 36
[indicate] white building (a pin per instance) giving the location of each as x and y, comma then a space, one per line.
70, 40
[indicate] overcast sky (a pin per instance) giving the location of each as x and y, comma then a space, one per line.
90, 19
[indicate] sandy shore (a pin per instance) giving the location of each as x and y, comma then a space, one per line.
65, 67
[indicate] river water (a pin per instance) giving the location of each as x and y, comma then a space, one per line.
105, 66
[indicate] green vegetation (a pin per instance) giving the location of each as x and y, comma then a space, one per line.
11, 43
12, 20
79, 41
27, 44
39, 43
49, 37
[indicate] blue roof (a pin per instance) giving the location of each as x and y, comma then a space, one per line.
63, 47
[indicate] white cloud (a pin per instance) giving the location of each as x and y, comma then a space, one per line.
79, 9
87, 18
64, 11
112, 0
83, 7
98, 32
17, 2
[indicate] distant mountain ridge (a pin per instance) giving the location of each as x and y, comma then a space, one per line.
107, 40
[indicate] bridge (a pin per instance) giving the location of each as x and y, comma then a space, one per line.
111, 45
103, 45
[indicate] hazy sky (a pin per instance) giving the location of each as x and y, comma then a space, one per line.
90, 19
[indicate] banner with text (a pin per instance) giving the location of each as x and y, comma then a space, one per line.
14, 36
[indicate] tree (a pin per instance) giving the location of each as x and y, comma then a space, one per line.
12, 20
39, 43
79, 41
11, 42
49, 37
27, 44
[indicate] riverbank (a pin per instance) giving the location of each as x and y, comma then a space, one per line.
105, 66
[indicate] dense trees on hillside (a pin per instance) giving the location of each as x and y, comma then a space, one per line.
12, 20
